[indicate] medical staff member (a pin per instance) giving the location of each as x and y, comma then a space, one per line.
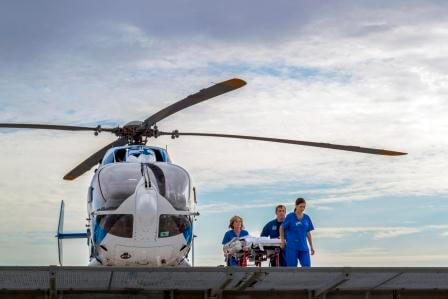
271, 230
236, 226
295, 231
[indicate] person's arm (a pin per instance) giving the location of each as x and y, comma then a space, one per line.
308, 235
310, 241
224, 241
282, 237
281, 232
265, 231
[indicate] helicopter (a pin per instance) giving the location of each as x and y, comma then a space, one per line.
140, 206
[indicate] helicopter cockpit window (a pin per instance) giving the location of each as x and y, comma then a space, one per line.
173, 225
118, 181
173, 183
120, 155
120, 225
109, 159
141, 155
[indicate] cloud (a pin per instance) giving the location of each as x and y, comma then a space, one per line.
377, 232
378, 259
437, 226
213, 208
368, 75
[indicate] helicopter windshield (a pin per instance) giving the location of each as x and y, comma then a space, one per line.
118, 182
173, 225
119, 225
173, 183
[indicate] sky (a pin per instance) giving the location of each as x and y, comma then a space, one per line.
363, 73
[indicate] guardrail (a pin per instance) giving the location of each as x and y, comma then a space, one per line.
223, 282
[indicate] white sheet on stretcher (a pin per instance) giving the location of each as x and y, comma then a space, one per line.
260, 242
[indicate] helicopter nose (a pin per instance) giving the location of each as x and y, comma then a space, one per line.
145, 214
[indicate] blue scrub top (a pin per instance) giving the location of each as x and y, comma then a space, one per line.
296, 231
271, 229
230, 234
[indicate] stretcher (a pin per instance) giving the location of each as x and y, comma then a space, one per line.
254, 249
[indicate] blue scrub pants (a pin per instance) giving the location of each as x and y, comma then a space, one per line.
292, 255
232, 262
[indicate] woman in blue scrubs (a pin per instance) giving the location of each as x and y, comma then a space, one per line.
295, 231
236, 230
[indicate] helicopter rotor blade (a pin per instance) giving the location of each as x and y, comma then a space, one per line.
93, 159
53, 127
358, 149
202, 95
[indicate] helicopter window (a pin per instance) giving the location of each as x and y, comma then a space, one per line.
109, 159
173, 183
173, 225
117, 182
141, 155
90, 194
120, 155
120, 225
159, 156
160, 177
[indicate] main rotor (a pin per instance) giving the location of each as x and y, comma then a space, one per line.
138, 132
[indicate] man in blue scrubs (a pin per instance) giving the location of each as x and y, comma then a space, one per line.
236, 226
295, 231
271, 230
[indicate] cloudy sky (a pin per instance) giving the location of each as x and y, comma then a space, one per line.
365, 73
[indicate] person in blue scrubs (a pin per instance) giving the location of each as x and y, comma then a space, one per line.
271, 230
295, 231
236, 226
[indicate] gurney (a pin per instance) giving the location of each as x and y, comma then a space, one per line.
254, 249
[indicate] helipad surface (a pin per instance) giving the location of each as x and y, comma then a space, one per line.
223, 282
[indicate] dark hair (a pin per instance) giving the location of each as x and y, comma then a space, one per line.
299, 201
279, 207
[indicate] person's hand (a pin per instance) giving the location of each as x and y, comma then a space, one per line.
312, 251
282, 243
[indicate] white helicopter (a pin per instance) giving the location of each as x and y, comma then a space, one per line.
140, 206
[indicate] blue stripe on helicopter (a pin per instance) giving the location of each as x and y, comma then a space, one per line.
187, 234
72, 236
99, 233
165, 155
